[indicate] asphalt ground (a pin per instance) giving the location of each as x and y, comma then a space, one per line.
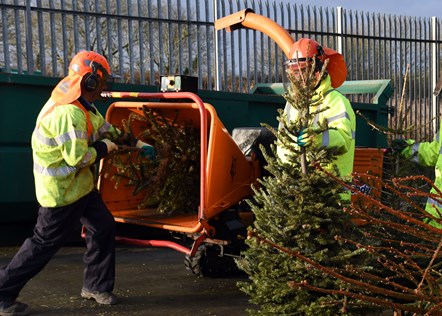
149, 281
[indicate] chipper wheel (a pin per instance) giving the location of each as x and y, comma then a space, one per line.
208, 262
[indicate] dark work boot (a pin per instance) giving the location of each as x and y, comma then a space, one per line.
13, 308
105, 298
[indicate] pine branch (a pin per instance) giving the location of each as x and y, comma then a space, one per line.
332, 272
365, 298
430, 265
169, 183
398, 258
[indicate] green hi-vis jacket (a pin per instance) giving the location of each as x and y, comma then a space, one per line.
341, 135
428, 154
62, 152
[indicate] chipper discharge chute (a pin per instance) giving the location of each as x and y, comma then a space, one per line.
213, 229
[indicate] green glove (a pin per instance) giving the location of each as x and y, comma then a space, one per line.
303, 138
398, 145
147, 151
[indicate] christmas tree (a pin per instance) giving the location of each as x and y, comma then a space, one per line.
298, 208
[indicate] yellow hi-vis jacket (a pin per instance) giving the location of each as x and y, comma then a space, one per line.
62, 152
429, 154
341, 135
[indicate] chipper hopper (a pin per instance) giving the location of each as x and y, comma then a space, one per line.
214, 231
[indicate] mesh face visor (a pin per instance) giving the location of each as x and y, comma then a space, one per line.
294, 67
295, 64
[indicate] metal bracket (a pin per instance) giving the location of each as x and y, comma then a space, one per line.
233, 21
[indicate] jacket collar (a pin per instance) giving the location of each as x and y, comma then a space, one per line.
88, 106
324, 86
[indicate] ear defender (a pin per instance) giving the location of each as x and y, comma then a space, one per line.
92, 80
319, 58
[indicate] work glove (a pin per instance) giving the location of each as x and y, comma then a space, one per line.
126, 139
398, 145
303, 138
147, 151
111, 146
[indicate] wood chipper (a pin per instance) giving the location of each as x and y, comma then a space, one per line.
212, 233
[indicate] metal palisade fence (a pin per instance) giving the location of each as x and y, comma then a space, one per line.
144, 39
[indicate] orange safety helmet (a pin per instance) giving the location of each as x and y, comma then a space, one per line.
89, 65
303, 50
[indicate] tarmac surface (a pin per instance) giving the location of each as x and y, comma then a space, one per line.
149, 281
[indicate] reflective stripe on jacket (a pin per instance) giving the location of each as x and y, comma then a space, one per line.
62, 154
341, 135
428, 154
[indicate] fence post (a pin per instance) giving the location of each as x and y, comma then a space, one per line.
340, 28
215, 32
434, 69
29, 51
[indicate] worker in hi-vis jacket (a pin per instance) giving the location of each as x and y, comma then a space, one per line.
70, 136
338, 111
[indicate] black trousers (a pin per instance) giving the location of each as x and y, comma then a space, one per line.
53, 227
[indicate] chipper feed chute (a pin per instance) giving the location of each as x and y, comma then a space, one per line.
226, 174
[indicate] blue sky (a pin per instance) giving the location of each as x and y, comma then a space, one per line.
424, 9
